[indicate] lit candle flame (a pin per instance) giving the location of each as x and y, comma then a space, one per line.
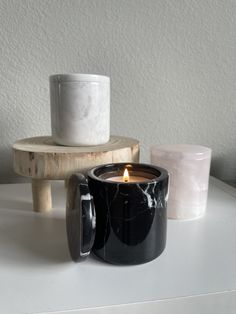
126, 176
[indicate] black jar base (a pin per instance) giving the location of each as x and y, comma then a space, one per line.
128, 261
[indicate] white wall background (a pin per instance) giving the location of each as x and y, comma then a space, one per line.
172, 65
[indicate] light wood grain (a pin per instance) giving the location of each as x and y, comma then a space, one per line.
41, 192
42, 160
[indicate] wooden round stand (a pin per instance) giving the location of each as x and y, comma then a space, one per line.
42, 160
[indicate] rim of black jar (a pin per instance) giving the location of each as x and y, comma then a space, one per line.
163, 174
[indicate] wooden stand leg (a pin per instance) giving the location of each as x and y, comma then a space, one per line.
42, 200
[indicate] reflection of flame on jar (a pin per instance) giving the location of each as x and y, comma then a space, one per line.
126, 176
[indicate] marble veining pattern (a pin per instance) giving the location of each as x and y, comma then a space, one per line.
188, 167
80, 112
131, 221
130, 217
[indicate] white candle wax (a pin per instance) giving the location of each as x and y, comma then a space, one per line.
131, 179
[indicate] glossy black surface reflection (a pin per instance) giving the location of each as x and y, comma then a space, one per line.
130, 217
80, 217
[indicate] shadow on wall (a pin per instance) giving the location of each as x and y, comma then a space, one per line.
7, 174
6, 163
221, 168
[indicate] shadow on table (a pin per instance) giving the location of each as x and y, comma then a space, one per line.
10, 204
29, 239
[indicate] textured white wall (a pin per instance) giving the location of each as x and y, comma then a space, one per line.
172, 65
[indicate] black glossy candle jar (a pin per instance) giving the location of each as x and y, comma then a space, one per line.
122, 222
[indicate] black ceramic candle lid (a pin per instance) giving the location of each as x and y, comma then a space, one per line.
80, 217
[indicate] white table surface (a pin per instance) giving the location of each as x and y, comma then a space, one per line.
37, 275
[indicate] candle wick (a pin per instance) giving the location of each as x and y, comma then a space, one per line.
126, 176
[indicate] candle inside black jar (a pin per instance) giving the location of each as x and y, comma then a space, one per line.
123, 221
130, 216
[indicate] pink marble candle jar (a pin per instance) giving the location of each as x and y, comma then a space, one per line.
188, 167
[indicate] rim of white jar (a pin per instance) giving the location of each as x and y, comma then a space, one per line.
78, 77
177, 150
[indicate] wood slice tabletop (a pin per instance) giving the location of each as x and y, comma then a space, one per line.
41, 158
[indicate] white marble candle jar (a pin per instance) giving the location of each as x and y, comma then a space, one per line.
188, 167
80, 109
